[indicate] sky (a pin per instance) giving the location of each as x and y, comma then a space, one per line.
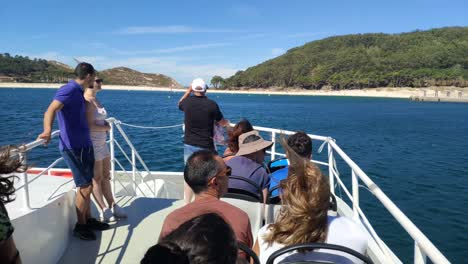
190, 39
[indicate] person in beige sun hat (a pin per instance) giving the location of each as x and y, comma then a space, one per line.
251, 142
248, 163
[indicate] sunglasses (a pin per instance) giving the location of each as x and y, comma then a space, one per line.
99, 80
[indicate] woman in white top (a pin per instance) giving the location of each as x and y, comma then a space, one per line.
98, 127
303, 218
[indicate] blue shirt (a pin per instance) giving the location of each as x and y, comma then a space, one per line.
245, 167
74, 130
276, 178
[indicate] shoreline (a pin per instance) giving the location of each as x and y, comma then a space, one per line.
383, 92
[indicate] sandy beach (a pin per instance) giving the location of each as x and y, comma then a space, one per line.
386, 92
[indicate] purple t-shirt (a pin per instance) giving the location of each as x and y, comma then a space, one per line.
245, 167
74, 130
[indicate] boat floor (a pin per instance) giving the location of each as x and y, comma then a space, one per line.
128, 239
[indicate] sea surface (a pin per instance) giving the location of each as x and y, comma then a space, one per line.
417, 153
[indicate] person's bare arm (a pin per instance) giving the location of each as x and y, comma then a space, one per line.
256, 249
90, 108
223, 122
186, 94
265, 195
49, 117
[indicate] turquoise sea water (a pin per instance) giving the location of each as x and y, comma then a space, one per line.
416, 152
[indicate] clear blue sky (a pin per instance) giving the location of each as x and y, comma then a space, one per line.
188, 39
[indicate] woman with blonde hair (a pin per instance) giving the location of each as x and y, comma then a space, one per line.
96, 115
303, 217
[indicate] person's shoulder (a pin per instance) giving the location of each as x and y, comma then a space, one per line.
210, 101
347, 225
232, 208
264, 230
342, 221
90, 102
233, 160
189, 100
70, 87
180, 210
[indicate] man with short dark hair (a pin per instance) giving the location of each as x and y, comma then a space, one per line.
301, 143
201, 114
207, 175
75, 144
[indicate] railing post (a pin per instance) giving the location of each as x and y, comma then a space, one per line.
419, 256
134, 172
273, 148
26, 202
112, 153
330, 168
355, 184
154, 187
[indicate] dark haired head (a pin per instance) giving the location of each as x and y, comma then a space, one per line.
201, 166
240, 128
165, 253
204, 239
8, 166
301, 143
83, 69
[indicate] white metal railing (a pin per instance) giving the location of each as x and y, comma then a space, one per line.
422, 245
24, 149
23, 154
134, 157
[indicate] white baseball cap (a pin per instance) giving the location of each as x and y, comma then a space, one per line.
198, 85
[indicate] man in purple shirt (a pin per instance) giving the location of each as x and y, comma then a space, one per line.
75, 144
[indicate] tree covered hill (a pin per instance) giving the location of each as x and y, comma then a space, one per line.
22, 69
126, 76
437, 57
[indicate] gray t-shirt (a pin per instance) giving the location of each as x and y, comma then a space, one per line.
245, 167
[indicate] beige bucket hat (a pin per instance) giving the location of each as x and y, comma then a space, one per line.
254, 142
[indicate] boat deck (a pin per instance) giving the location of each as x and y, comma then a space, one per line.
128, 239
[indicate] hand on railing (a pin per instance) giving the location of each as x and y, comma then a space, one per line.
46, 135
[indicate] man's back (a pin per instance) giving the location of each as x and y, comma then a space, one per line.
200, 115
247, 168
237, 218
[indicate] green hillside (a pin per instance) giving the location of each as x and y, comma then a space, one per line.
26, 70
437, 57
22, 69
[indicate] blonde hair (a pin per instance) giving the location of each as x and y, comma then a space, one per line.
305, 199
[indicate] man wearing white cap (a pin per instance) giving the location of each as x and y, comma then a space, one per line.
201, 114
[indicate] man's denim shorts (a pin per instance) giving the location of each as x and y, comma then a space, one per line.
81, 163
189, 150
